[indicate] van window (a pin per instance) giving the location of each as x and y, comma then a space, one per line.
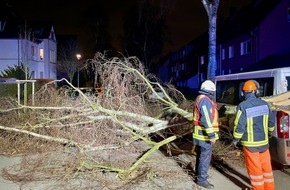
266, 86
229, 91
288, 82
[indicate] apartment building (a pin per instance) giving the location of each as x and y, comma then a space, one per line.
252, 38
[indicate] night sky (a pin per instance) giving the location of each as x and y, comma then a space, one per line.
186, 21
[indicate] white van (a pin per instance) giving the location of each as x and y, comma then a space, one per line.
272, 82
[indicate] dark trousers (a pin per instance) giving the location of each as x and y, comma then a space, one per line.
203, 160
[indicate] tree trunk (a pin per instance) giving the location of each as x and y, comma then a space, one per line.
211, 8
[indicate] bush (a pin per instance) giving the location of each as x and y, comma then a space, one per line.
8, 90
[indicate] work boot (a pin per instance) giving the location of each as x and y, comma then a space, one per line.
206, 185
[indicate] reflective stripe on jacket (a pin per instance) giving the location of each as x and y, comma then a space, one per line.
205, 119
254, 120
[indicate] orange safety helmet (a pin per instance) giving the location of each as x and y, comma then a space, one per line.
249, 86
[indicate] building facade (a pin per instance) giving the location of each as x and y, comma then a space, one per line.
31, 44
253, 38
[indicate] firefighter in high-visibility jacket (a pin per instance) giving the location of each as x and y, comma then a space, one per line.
253, 126
205, 131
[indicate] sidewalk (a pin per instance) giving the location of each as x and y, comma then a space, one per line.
5, 162
228, 180
175, 182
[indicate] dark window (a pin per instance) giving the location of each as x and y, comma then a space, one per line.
288, 83
231, 51
288, 14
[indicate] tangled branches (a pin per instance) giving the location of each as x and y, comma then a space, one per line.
117, 120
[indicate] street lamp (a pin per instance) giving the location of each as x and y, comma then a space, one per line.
79, 56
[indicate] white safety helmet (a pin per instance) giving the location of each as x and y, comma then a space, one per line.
208, 85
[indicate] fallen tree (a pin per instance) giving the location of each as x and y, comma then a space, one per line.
279, 102
123, 115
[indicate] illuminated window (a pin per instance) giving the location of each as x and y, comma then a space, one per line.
41, 54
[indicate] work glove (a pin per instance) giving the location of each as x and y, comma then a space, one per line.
270, 135
212, 141
235, 143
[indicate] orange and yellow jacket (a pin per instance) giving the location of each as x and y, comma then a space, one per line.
205, 119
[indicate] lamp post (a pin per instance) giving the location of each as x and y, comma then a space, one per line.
79, 56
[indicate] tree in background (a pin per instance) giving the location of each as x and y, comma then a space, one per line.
144, 28
67, 61
26, 53
96, 19
211, 7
